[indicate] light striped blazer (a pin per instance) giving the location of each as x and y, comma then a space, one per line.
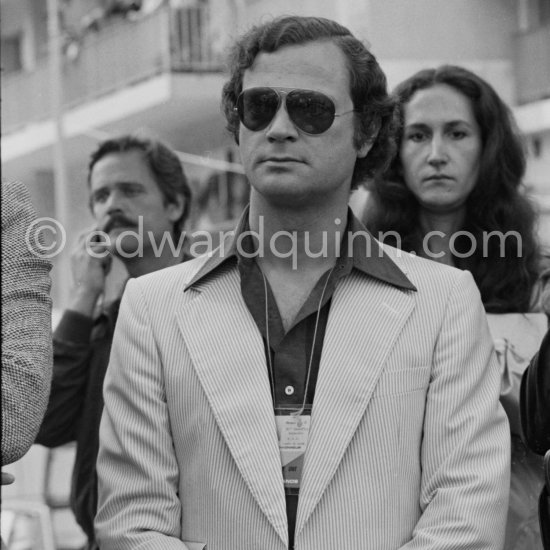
408, 446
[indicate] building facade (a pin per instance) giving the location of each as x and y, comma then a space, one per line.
157, 67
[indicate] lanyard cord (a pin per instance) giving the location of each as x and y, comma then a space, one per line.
268, 345
270, 363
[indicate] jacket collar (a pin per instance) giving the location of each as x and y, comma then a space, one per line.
367, 254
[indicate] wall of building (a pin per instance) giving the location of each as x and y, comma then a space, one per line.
401, 34
537, 179
538, 173
463, 30
230, 18
474, 34
26, 18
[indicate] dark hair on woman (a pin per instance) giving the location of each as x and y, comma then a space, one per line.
163, 162
374, 108
504, 278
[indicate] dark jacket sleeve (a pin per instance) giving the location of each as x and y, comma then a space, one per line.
535, 400
26, 324
71, 344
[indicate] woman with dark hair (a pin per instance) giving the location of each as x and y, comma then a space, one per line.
453, 193
491, 200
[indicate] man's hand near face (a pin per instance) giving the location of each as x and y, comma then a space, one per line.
90, 263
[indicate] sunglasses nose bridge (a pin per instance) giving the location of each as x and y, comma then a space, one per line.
274, 122
281, 96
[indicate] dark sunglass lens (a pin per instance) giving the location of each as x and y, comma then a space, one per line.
312, 112
257, 107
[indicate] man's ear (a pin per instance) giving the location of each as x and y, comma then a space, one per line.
175, 208
374, 128
364, 149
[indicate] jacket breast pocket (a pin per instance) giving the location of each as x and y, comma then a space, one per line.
398, 382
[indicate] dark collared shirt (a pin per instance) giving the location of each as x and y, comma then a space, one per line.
81, 354
298, 350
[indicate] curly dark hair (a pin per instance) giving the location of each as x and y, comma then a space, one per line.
374, 116
163, 162
497, 203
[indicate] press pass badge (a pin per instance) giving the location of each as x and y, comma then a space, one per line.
292, 432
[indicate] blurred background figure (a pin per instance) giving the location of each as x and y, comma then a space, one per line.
26, 326
535, 420
454, 194
140, 199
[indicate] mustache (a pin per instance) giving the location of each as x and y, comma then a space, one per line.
118, 220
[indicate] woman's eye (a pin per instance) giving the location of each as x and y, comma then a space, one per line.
416, 136
458, 134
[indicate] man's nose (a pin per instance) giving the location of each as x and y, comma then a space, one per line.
114, 202
281, 127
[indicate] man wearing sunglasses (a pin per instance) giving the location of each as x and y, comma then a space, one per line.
304, 386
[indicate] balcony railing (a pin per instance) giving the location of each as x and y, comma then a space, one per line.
120, 54
191, 42
532, 64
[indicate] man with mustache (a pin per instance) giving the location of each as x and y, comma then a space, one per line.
140, 198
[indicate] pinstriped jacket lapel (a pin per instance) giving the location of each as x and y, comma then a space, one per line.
365, 319
228, 355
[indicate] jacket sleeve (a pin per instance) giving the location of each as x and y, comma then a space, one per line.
26, 325
137, 467
466, 440
71, 347
535, 400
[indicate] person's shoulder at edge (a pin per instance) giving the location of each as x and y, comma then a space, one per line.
15, 187
16, 200
540, 300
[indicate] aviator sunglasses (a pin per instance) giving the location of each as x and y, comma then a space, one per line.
310, 111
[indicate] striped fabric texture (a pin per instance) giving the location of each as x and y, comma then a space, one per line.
408, 448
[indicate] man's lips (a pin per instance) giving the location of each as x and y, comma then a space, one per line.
281, 160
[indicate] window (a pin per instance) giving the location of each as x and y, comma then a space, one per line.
544, 11
11, 53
